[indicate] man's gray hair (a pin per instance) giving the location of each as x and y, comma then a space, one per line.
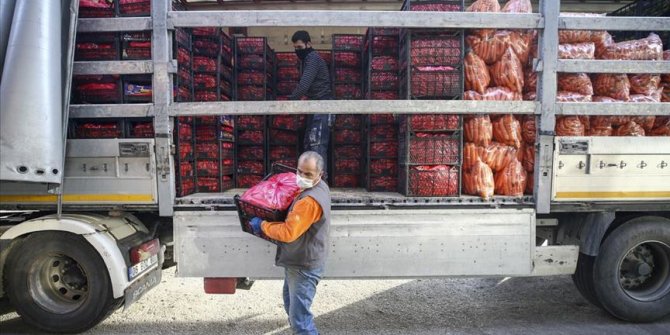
315, 156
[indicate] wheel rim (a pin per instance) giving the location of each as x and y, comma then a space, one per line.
58, 283
644, 271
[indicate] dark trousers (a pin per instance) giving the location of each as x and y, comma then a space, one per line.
317, 135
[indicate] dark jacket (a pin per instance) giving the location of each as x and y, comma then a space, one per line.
315, 79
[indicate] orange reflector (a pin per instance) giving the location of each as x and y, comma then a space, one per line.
220, 285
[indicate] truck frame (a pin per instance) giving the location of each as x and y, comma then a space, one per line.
594, 214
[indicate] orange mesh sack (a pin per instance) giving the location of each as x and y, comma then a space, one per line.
575, 82
665, 92
530, 182
493, 93
511, 181
530, 81
497, 155
478, 130
478, 180
484, 6
616, 86
661, 126
579, 36
470, 154
629, 129
529, 96
646, 122
508, 72
600, 126
507, 130
569, 126
520, 42
654, 97
529, 158
650, 48
477, 76
666, 76
518, 6
577, 51
564, 96
491, 47
646, 84
528, 130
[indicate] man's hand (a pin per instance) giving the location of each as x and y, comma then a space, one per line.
255, 224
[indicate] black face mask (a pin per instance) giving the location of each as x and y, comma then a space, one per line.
302, 53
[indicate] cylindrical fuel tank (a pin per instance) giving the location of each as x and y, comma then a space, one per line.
31, 140
6, 14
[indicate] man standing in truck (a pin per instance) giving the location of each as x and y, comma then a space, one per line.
315, 85
303, 241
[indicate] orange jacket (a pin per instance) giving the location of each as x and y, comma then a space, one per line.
304, 213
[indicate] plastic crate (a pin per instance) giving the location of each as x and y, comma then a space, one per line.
208, 184
287, 59
97, 89
347, 59
348, 91
285, 137
422, 181
382, 184
96, 47
96, 8
347, 180
139, 128
348, 42
136, 45
134, 7
89, 129
430, 123
430, 149
432, 48
643, 8
433, 5
185, 186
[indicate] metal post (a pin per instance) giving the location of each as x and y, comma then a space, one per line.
548, 44
162, 96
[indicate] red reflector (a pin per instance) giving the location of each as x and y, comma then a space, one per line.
220, 285
144, 251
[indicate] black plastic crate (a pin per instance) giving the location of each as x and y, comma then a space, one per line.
353, 42
97, 47
433, 5
139, 128
254, 75
287, 122
136, 45
97, 8
417, 182
430, 149
183, 37
137, 88
430, 123
382, 183
134, 7
209, 46
287, 59
96, 128
185, 186
97, 89
643, 8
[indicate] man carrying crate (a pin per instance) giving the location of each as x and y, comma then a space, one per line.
315, 85
303, 241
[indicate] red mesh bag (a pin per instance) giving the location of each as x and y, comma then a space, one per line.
352, 151
518, 6
493, 93
347, 136
251, 45
575, 82
185, 131
286, 87
661, 121
563, 96
530, 81
251, 78
348, 121
666, 76
661, 126
183, 56
350, 59
569, 126
205, 133
208, 185
434, 7
202, 63
507, 130
384, 166
283, 136
497, 155
186, 169
433, 181
477, 77
384, 95
380, 149
248, 180
185, 187
288, 122
665, 92
383, 132
528, 130
348, 42
478, 180
429, 148
629, 129
435, 50
650, 48
600, 126
348, 91
251, 136
440, 83
205, 31
251, 93
277, 192
384, 63
207, 150
250, 122
204, 80
434, 122
255, 167
185, 151
282, 152
577, 51
508, 72
383, 183
347, 180
490, 48
381, 119
288, 74
347, 165
511, 181
256, 62
616, 86
347, 75
384, 81
484, 6
646, 122
287, 59
478, 129
207, 168
99, 130
645, 84
251, 153
142, 130
529, 158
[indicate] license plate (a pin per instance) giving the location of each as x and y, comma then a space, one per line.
142, 266
137, 289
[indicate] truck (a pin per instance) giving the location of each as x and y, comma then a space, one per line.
89, 224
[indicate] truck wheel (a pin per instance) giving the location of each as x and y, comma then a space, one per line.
583, 278
632, 270
59, 283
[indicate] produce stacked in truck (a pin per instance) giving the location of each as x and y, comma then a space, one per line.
284, 137
347, 151
251, 137
111, 8
382, 153
96, 8
288, 74
183, 80
212, 65
184, 155
254, 69
96, 47
214, 153
382, 81
347, 66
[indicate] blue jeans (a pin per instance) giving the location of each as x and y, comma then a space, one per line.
317, 136
299, 291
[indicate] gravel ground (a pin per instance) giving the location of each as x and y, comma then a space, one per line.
548, 305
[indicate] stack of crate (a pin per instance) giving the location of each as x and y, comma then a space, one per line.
214, 153
382, 153
136, 45
285, 130
288, 74
183, 81
347, 66
134, 7
207, 66
250, 141
184, 156
381, 62
254, 64
347, 148
94, 89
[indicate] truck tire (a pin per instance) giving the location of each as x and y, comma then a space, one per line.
59, 283
632, 270
583, 278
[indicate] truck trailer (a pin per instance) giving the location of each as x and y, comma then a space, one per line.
89, 224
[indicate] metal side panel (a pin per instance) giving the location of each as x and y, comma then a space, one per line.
611, 169
369, 244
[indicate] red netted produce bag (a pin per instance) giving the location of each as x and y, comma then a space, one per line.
569, 126
529, 158
508, 72
384, 95
250, 122
646, 84
518, 6
248, 180
281, 152
142, 130
207, 150
575, 82
564, 96
384, 44
98, 130
478, 129
251, 153
287, 59
435, 50
251, 93
206, 96
511, 181
600, 125
383, 132
288, 122
347, 165
185, 151
348, 75
348, 121
377, 149
210, 184
661, 126
384, 166
493, 93
283, 136
384, 81
530, 82
478, 180
646, 122
507, 130
490, 48
429, 148
351, 151
477, 77
437, 81
251, 136
616, 86
348, 42
381, 119
202, 63
185, 131
248, 62
286, 87
346, 180
251, 78
347, 91
433, 181
346, 136
577, 51
497, 155
288, 74
185, 187
384, 63
277, 192
350, 59
186, 169
528, 130
383, 183
650, 48
255, 167
434, 122
629, 129
207, 168
204, 80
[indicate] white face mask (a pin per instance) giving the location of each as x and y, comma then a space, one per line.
303, 183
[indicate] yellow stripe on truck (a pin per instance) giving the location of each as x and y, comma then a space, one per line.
611, 195
122, 198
